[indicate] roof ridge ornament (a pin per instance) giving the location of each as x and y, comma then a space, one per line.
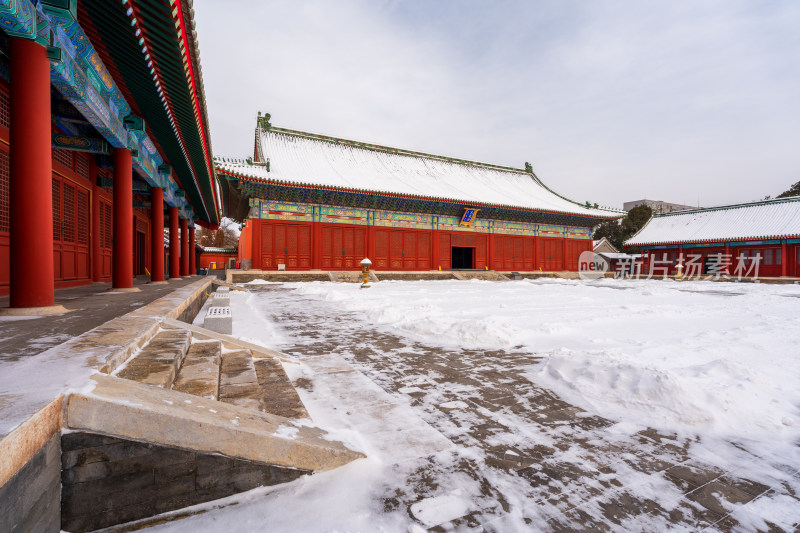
263, 121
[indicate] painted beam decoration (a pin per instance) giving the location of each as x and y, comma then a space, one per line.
329, 214
80, 144
78, 73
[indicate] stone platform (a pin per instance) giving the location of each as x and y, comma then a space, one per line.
143, 410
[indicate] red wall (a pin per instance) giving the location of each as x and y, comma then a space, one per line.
306, 245
776, 259
220, 259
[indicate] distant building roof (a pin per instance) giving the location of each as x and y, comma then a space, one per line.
779, 218
603, 245
226, 250
311, 160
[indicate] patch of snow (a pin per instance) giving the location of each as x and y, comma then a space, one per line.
440, 509
287, 432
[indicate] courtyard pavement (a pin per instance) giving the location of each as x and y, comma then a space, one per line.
533, 458
89, 306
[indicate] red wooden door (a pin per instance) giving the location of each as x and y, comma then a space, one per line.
445, 253
286, 244
70, 231
423, 250
574, 250
409, 250
343, 247
528, 245
553, 252
105, 239
395, 250
381, 248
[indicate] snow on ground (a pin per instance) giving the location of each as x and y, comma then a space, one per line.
710, 358
715, 363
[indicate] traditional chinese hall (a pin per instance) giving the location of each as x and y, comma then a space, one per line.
103, 137
319, 202
732, 236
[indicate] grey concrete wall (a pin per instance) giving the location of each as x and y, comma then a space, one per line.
108, 481
30, 501
194, 307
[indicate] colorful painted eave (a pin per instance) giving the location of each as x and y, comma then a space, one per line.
150, 50
777, 219
222, 169
82, 78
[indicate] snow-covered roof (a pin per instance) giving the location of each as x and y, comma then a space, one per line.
616, 256
597, 246
298, 158
779, 218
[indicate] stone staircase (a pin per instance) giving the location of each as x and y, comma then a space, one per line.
177, 359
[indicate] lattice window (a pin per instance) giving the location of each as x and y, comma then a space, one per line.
69, 213
5, 110
5, 205
83, 217
56, 210
106, 224
82, 165
64, 157
141, 225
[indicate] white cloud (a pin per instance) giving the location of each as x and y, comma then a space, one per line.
611, 101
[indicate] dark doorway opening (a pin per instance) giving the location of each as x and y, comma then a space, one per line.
463, 257
138, 254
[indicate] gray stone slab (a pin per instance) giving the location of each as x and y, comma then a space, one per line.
159, 361
199, 374
219, 320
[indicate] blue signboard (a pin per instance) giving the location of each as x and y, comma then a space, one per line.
469, 217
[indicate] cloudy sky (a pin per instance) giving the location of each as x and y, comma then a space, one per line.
679, 100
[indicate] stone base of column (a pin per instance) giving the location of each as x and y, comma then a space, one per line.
158, 282
50, 310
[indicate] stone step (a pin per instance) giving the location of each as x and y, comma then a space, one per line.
199, 374
128, 410
160, 360
238, 381
280, 396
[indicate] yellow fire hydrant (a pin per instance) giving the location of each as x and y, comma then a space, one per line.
365, 264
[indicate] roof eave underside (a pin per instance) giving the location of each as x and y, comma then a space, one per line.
109, 27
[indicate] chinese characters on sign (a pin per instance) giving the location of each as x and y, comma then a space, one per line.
469, 216
690, 266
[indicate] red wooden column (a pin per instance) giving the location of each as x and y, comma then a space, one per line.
174, 255
192, 265
31, 209
316, 243
728, 255
490, 259
371, 243
436, 261
156, 234
122, 249
184, 247
784, 259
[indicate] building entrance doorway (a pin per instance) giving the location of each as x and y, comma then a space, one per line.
463, 257
138, 254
